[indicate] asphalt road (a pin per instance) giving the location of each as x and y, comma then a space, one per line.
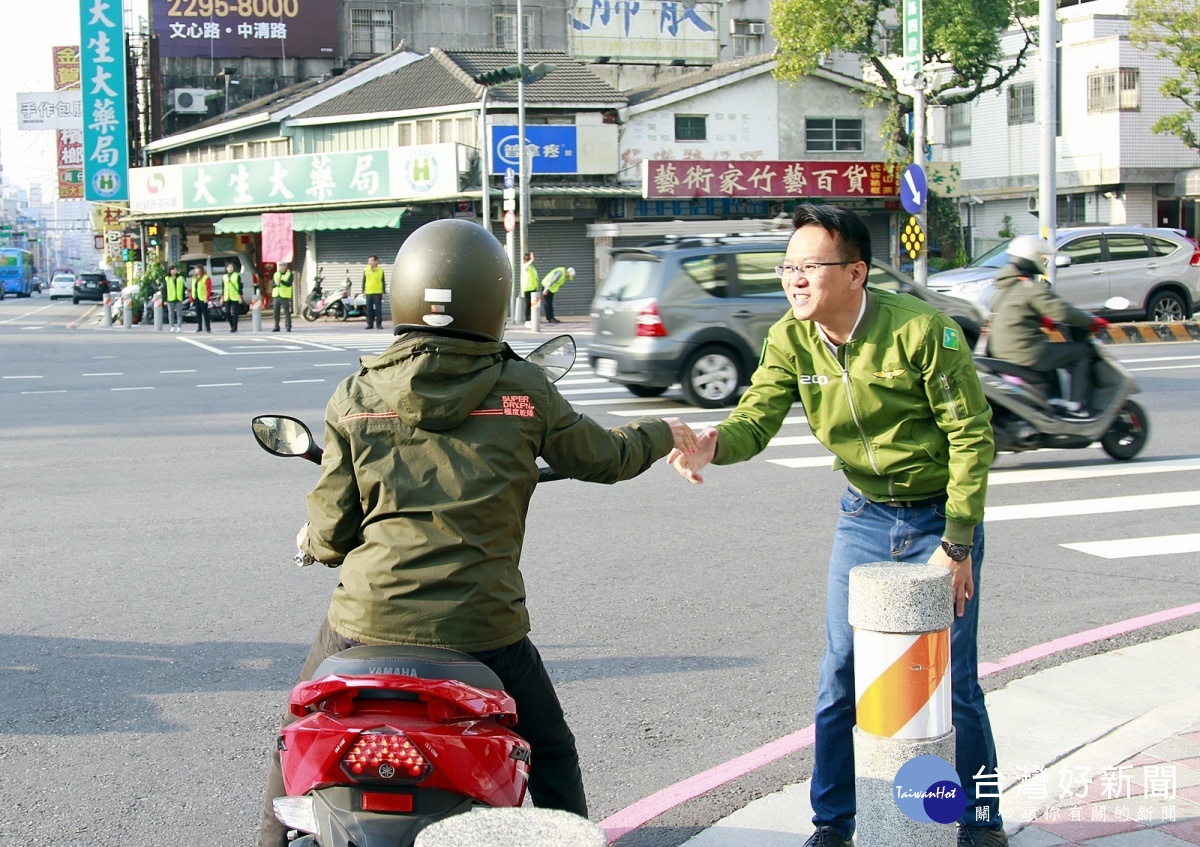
152, 621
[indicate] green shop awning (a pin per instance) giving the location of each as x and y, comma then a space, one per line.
386, 218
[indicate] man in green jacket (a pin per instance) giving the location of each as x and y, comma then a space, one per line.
888, 386
551, 282
429, 467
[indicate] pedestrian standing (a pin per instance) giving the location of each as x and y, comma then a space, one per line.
231, 289
373, 285
175, 285
201, 291
551, 282
281, 295
888, 386
529, 284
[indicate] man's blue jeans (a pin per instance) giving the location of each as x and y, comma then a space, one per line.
873, 532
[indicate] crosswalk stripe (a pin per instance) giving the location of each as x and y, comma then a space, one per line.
1016, 477
1098, 506
1133, 548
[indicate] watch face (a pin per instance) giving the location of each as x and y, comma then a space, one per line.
957, 552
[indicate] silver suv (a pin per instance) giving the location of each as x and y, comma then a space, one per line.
1156, 270
695, 311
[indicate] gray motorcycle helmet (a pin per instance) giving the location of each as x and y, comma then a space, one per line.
451, 276
1031, 253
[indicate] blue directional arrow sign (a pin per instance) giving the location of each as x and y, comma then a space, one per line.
913, 189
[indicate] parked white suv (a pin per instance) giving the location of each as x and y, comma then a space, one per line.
1156, 270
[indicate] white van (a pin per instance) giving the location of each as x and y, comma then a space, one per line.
214, 265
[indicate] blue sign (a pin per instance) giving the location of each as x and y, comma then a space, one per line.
551, 149
105, 116
913, 189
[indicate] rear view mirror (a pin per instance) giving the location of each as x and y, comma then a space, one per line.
555, 357
284, 436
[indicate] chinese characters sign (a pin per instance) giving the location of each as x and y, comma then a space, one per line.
50, 110
644, 30
102, 71
551, 149
685, 178
296, 181
914, 37
70, 141
235, 29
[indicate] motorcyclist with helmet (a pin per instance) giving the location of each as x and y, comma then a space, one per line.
1023, 306
428, 471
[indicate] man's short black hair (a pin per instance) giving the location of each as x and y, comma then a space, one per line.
847, 228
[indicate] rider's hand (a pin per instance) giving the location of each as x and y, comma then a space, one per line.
1099, 324
1048, 322
689, 464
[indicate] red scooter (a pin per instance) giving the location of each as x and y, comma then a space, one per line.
389, 739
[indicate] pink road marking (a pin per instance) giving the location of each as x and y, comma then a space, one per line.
620, 824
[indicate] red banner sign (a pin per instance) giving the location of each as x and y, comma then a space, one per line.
695, 178
70, 141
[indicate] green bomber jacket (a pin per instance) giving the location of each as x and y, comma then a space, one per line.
899, 405
430, 462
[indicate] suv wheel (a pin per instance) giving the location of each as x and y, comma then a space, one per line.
711, 378
1166, 306
647, 390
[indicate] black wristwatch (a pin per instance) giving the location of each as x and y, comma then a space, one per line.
957, 552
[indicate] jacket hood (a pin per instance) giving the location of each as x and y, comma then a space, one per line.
1008, 276
434, 382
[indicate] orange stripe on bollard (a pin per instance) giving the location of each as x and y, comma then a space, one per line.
906, 686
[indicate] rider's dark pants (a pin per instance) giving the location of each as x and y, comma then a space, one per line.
555, 781
1077, 357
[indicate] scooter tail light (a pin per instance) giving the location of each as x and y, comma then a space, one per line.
296, 813
649, 324
385, 755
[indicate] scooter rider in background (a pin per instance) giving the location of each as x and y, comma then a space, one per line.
428, 471
1020, 310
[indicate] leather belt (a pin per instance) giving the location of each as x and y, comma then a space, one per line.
904, 504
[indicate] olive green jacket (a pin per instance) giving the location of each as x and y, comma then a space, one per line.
429, 466
1016, 327
899, 405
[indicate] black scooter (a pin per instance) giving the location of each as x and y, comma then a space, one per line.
1027, 408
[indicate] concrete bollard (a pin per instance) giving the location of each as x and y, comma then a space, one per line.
525, 827
256, 314
536, 309
106, 305
127, 309
901, 615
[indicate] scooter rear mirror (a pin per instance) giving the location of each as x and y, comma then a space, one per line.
284, 436
555, 357
1116, 304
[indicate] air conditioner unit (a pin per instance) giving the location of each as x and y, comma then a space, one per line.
756, 28
190, 101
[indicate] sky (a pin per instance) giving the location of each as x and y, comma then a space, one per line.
29, 157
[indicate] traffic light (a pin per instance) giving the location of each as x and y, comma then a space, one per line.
152, 234
502, 75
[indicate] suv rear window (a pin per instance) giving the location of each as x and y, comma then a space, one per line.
631, 278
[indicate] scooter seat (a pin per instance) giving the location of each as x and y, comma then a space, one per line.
999, 366
410, 660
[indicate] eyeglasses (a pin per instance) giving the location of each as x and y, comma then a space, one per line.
807, 269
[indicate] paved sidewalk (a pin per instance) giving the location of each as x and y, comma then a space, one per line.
1099, 752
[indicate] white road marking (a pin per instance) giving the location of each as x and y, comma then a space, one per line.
1157, 359
1099, 506
571, 392
1132, 548
579, 381
805, 462
1162, 368
134, 388
332, 365
20, 377
203, 346
217, 384
53, 391
25, 315
1020, 476
293, 381
258, 368
190, 371
27, 328
793, 440
113, 373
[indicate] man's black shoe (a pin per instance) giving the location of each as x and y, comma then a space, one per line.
827, 836
971, 836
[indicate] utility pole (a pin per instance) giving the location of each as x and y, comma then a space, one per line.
1047, 102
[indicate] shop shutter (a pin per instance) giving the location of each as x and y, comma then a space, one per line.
566, 243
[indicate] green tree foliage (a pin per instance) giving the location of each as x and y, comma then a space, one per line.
1172, 27
961, 36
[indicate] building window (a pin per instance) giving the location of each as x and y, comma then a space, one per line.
833, 135
958, 125
891, 43
1020, 104
1111, 91
691, 128
748, 37
370, 31
1070, 209
504, 25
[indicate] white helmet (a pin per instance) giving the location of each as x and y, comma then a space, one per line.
570, 273
1036, 251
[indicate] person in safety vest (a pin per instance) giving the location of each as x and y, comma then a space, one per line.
529, 284
281, 295
448, 418
888, 386
175, 286
551, 282
201, 291
231, 294
373, 286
